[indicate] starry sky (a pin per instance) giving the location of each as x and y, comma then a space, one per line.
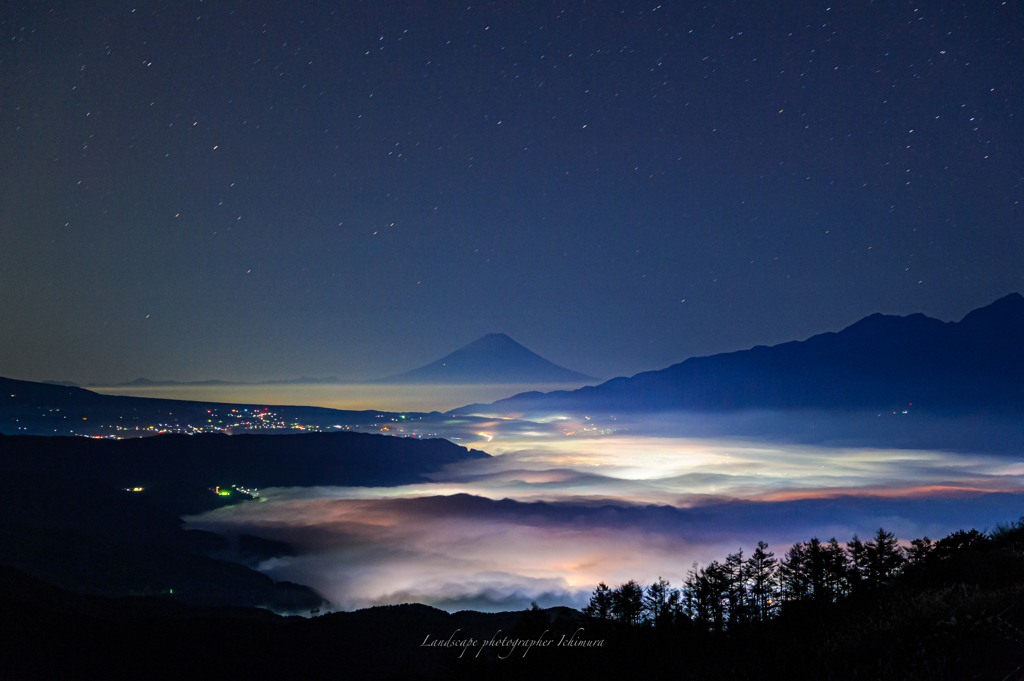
252, 191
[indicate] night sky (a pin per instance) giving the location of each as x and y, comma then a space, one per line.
242, 191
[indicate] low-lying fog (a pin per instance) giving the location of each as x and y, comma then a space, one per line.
565, 503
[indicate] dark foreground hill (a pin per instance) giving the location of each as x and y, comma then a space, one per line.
94, 539
67, 515
959, 619
174, 467
880, 363
494, 358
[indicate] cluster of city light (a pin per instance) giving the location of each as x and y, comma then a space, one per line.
235, 420
254, 493
245, 490
220, 420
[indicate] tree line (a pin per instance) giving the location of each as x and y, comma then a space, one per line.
740, 590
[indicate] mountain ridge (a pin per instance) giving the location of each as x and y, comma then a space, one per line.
878, 362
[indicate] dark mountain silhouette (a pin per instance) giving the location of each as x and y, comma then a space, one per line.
92, 538
177, 471
955, 617
30, 408
51, 632
494, 358
148, 383
879, 363
67, 515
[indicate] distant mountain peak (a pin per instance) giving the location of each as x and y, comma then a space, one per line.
148, 382
497, 341
495, 338
492, 358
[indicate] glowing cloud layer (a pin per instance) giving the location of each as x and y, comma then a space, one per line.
546, 518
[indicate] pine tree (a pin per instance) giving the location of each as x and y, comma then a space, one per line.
857, 568
705, 595
716, 586
659, 603
762, 570
884, 557
628, 603
919, 550
836, 570
737, 595
794, 574
600, 605
694, 604
958, 541
815, 563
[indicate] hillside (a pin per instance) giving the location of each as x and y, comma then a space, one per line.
32, 408
179, 470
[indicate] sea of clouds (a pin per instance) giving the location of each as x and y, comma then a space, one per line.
558, 508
